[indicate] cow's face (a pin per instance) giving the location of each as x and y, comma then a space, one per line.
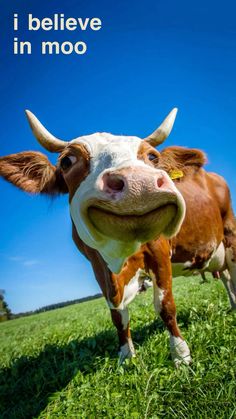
119, 198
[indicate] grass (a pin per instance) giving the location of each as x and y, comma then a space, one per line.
63, 364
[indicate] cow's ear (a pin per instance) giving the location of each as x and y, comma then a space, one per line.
32, 172
179, 157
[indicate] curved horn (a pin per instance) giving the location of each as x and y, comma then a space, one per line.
162, 132
43, 136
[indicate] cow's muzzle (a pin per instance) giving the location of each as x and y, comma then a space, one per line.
128, 187
136, 203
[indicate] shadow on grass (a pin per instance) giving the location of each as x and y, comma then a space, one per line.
26, 387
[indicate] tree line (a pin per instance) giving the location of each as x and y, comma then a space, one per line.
6, 314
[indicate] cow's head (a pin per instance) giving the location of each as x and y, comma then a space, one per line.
119, 197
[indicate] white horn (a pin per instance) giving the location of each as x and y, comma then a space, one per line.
163, 131
43, 136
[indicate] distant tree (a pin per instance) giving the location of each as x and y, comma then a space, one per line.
5, 312
56, 306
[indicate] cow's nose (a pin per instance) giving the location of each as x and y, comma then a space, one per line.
160, 181
113, 182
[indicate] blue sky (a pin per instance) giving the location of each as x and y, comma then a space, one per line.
147, 58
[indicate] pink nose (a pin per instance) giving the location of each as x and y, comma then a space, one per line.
113, 182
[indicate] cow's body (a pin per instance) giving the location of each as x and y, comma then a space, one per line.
121, 198
206, 242
207, 239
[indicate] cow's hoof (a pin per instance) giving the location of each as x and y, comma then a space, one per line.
179, 351
126, 351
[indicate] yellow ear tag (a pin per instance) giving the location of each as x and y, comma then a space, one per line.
176, 174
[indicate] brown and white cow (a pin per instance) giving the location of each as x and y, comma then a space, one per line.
127, 212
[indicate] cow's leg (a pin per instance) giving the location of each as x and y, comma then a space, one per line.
120, 320
165, 306
115, 291
229, 277
229, 286
119, 290
123, 289
120, 313
204, 279
159, 263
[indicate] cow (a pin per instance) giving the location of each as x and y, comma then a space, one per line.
128, 202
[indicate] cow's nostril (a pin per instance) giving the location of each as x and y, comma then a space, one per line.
115, 183
160, 182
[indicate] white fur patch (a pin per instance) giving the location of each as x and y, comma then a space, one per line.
158, 297
130, 291
215, 263
179, 351
124, 316
126, 351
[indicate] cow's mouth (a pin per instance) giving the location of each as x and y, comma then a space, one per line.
133, 227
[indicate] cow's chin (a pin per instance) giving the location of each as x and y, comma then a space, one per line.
128, 228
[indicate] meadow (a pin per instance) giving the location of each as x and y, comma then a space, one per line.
63, 363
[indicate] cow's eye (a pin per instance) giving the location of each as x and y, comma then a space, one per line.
152, 157
67, 162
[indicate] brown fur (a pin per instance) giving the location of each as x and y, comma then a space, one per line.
208, 212
32, 172
76, 174
181, 158
123, 334
143, 152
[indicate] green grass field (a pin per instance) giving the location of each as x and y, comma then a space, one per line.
63, 364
